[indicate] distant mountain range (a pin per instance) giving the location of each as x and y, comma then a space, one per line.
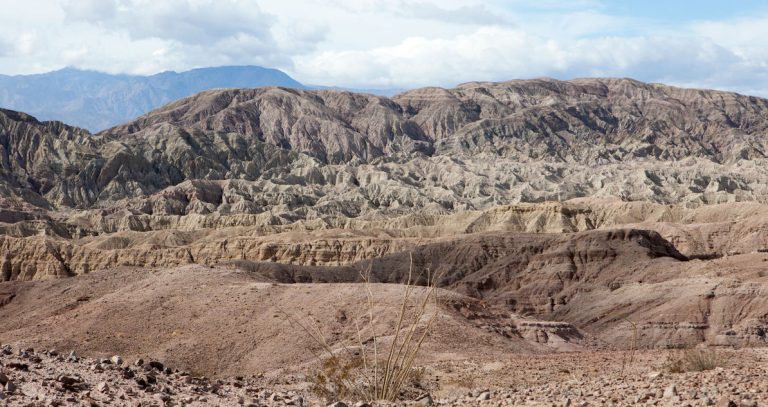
96, 101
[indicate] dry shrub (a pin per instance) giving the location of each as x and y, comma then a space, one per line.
627, 362
695, 360
335, 379
374, 371
465, 381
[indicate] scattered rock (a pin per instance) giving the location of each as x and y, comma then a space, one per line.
425, 399
10, 387
18, 366
102, 387
128, 373
67, 380
484, 395
670, 391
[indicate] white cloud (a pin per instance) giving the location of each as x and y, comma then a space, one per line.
499, 53
193, 22
90, 10
747, 37
203, 30
5, 48
470, 12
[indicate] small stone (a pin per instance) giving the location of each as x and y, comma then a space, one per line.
128, 373
139, 362
338, 404
485, 395
425, 399
102, 387
670, 391
156, 365
117, 360
69, 380
655, 375
3, 379
362, 404
10, 387
726, 402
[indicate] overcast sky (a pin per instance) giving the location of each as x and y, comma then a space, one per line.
398, 43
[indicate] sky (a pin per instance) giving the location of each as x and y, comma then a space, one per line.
399, 43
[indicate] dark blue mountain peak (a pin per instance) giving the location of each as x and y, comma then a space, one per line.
96, 100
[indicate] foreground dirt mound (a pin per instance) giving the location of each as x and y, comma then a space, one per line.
604, 282
221, 321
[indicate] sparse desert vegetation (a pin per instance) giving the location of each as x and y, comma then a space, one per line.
696, 360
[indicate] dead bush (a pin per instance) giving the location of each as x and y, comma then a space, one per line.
695, 360
374, 371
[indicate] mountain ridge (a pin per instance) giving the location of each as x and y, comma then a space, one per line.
303, 153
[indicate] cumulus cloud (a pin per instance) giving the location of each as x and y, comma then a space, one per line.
5, 48
90, 10
471, 12
197, 31
498, 53
199, 22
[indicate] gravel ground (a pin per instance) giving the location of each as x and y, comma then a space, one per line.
50, 378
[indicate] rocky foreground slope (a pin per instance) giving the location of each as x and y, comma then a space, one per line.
232, 324
53, 378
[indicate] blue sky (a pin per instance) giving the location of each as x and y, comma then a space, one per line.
675, 11
399, 43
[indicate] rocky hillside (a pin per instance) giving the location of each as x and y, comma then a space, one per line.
299, 154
